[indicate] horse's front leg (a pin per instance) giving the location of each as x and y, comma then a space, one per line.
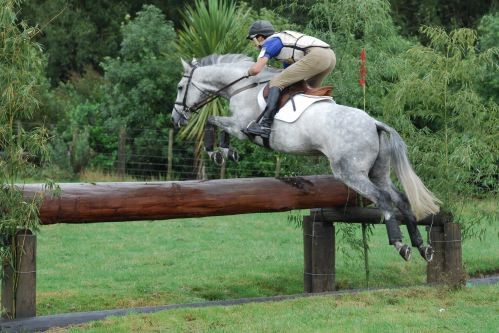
209, 144
225, 148
229, 125
225, 151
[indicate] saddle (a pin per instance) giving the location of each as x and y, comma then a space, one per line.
300, 87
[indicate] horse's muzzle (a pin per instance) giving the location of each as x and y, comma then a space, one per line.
178, 122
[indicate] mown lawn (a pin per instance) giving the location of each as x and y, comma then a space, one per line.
415, 309
129, 264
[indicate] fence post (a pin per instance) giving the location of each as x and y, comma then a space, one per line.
19, 282
170, 155
319, 255
72, 149
277, 166
447, 265
122, 153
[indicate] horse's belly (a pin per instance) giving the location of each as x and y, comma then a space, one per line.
329, 127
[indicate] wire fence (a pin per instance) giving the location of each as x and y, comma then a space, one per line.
160, 154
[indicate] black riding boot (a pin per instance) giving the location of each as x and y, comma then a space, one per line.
262, 128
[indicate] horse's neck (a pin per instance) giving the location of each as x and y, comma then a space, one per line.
223, 75
243, 94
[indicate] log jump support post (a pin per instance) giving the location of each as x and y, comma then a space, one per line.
319, 246
19, 280
447, 264
319, 255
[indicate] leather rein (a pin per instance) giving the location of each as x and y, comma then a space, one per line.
209, 96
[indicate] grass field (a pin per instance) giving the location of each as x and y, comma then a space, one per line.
118, 265
415, 309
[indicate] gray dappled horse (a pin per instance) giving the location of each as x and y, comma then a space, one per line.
360, 148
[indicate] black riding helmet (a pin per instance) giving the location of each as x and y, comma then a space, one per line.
260, 27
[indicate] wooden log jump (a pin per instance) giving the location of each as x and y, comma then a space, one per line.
107, 202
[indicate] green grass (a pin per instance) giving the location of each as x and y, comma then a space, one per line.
416, 309
128, 264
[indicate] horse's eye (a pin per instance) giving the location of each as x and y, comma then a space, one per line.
179, 88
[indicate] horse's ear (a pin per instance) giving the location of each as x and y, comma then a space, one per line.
185, 64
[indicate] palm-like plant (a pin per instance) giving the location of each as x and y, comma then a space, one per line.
215, 26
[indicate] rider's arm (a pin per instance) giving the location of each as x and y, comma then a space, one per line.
270, 48
258, 66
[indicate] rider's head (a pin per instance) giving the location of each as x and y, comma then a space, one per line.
260, 28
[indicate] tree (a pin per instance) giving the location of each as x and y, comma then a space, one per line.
350, 27
452, 130
21, 77
453, 14
488, 37
141, 81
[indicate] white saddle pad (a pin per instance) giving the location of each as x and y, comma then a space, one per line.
293, 108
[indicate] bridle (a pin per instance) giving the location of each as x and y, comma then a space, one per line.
209, 96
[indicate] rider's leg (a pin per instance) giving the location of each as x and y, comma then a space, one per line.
326, 56
262, 128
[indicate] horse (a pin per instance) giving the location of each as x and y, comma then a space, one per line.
360, 149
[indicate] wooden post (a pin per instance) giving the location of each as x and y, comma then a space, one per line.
435, 269
447, 265
122, 153
170, 154
319, 252
307, 254
453, 254
19, 295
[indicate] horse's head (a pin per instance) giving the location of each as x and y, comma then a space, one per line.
204, 81
189, 95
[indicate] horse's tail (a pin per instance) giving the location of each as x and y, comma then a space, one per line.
422, 201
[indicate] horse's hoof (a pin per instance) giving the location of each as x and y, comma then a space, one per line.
233, 155
405, 252
426, 252
218, 158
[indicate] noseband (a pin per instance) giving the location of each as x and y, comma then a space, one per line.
209, 96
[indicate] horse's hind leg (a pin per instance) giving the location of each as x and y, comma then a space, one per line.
380, 175
361, 183
403, 205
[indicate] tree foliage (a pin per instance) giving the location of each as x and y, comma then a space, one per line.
350, 27
21, 78
412, 14
136, 94
436, 104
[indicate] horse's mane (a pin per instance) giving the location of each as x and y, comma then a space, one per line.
215, 59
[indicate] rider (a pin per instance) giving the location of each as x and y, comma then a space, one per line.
303, 57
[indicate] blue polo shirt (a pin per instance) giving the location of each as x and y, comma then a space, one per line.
271, 47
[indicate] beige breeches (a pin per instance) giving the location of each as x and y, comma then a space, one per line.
313, 68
